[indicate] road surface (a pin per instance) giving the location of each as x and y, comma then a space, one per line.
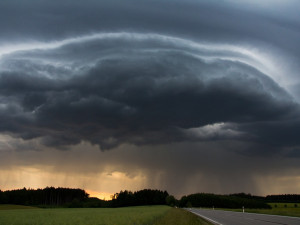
220, 217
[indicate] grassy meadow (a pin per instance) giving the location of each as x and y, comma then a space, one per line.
285, 205
177, 216
282, 209
141, 215
9, 207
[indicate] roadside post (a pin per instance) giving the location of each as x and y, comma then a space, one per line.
243, 209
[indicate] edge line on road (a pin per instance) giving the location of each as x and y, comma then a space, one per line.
211, 220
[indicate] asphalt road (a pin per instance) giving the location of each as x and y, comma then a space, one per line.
220, 217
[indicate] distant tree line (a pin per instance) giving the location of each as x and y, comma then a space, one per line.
223, 201
142, 197
248, 196
293, 198
47, 196
68, 197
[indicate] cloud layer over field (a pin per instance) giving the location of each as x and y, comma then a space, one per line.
130, 90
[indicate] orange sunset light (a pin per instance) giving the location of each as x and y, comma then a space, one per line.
100, 195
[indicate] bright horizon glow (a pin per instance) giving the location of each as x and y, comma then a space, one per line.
273, 183
100, 195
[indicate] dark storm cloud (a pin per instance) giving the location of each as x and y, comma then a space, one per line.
277, 133
142, 89
196, 91
213, 20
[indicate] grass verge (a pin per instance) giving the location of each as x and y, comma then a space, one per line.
177, 216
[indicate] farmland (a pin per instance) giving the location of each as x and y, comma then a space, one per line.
142, 215
9, 207
283, 209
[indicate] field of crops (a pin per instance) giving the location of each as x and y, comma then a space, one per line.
143, 215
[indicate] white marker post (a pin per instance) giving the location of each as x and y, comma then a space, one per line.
243, 209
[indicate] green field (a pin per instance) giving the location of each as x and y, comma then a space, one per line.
180, 217
142, 215
284, 209
284, 205
289, 210
8, 207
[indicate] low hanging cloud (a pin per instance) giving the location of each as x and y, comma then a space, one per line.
188, 96
115, 88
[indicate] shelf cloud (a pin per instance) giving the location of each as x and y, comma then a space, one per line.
206, 78
115, 88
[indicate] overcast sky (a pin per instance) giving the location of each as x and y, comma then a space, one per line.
188, 96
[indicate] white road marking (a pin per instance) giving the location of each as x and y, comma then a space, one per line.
211, 220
